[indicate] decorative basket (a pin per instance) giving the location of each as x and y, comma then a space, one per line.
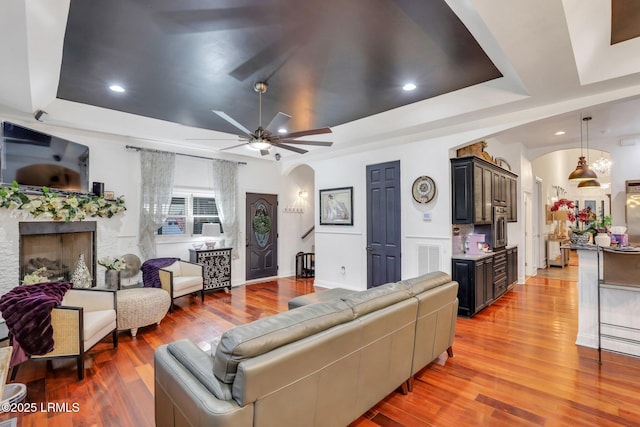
471, 150
580, 239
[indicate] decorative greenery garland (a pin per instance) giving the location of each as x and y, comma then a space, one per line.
58, 207
262, 224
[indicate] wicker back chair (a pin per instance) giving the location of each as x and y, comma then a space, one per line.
84, 318
182, 278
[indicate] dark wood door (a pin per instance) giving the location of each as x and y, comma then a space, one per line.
262, 236
383, 223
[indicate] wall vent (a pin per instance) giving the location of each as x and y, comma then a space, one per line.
428, 259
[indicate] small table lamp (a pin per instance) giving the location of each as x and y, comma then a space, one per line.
211, 229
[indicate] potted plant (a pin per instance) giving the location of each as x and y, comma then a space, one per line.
562, 210
586, 228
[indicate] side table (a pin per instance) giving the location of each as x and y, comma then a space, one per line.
217, 266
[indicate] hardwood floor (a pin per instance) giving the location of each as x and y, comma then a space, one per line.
515, 364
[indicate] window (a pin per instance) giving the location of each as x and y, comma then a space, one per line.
187, 213
204, 210
176, 222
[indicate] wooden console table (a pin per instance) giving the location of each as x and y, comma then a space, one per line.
217, 266
557, 253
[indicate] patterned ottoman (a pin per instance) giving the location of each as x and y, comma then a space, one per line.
139, 307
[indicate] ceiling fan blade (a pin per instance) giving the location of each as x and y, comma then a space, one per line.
264, 152
233, 146
305, 133
239, 138
292, 141
226, 117
287, 147
277, 122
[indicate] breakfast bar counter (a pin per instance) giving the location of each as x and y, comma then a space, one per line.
613, 319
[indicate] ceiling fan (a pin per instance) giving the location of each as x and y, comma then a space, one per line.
265, 138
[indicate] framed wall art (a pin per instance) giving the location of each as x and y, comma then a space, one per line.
336, 206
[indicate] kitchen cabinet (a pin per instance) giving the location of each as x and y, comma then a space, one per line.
512, 200
512, 266
499, 188
499, 273
475, 283
216, 265
477, 185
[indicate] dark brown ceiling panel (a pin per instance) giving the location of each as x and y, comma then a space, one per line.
327, 62
625, 20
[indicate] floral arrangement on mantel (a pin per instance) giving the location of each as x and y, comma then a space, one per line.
59, 207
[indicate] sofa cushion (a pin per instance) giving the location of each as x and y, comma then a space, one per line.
376, 298
417, 285
320, 296
183, 282
263, 335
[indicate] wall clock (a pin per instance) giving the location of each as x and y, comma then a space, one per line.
424, 189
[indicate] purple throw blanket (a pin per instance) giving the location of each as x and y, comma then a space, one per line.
27, 311
150, 267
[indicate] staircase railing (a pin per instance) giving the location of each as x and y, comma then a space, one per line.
308, 232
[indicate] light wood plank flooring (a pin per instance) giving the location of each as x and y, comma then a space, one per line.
515, 364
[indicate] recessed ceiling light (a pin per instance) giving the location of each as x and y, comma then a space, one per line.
116, 88
560, 132
409, 86
282, 130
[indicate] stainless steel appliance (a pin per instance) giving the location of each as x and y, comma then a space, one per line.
499, 229
632, 213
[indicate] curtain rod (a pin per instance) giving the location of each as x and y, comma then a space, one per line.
133, 147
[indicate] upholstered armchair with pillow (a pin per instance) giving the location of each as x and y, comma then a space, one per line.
182, 278
84, 318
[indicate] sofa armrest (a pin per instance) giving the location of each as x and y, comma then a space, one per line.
200, 364
190, 269
181, 399
91, 299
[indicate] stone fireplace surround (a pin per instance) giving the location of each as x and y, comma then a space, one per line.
106, 244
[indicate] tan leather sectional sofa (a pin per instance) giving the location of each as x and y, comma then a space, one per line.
322, 364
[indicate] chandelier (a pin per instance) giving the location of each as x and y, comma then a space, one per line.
602, 166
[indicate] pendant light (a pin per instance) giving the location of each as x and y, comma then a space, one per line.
582, 171
589, 183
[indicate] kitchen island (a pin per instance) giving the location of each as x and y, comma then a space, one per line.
615, 273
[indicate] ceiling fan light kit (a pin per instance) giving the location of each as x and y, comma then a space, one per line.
264, 138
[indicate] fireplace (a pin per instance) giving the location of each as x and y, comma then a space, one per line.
57, 246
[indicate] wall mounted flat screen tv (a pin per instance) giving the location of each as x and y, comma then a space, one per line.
35, 159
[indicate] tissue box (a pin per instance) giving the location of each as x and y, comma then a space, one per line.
620, 239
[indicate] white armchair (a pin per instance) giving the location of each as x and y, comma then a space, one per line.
84, 318
182, 278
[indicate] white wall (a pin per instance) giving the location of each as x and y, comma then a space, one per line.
340, 246
119, 169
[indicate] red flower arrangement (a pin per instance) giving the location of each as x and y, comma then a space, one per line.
566, 205
586, 216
